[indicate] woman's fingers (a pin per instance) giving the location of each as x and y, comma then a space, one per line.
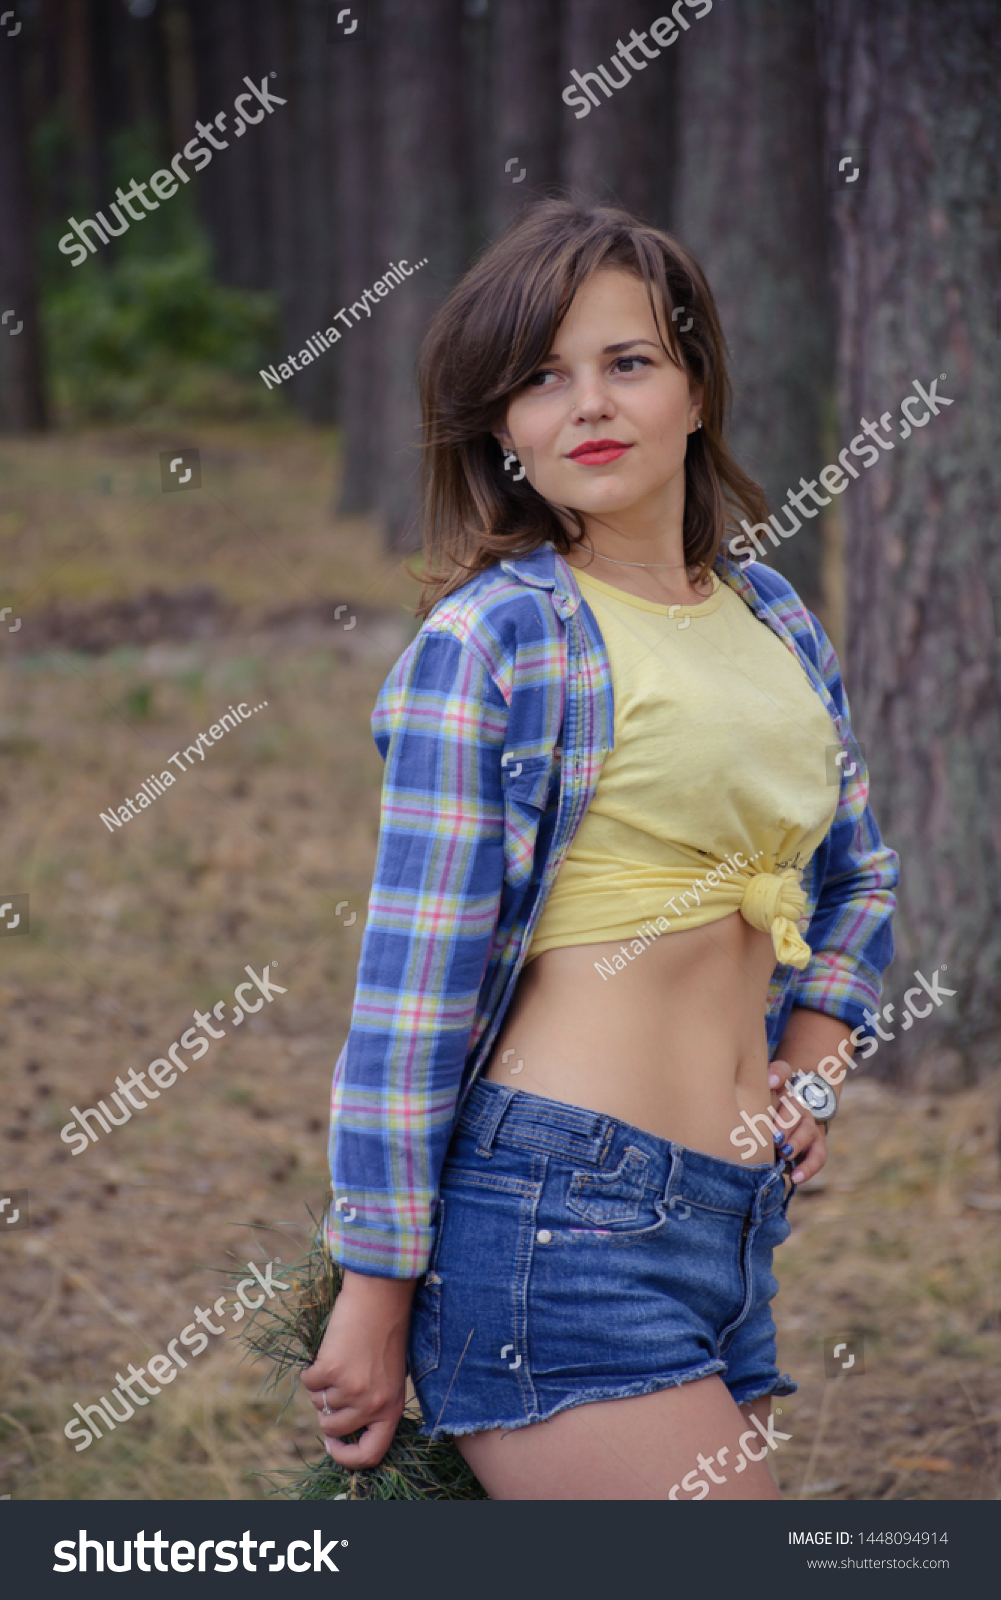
811, 1159
313, 1379
369, 1449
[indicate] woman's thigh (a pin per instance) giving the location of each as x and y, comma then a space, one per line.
634, 1449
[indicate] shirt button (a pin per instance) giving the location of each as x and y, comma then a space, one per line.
544, 1236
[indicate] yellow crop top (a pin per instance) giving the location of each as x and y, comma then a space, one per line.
716, 793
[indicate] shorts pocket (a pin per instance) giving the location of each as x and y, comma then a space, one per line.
601, 1197
424, 1338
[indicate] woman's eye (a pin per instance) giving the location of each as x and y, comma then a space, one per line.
538, 379
628, 362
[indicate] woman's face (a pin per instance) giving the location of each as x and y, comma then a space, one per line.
602, 426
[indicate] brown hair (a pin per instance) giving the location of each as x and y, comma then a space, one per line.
495, 330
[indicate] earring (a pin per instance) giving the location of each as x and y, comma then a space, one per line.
698, 424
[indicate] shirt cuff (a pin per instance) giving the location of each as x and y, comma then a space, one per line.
378, 1252
839, 985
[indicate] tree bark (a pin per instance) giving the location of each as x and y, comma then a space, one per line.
419, 59
752, 206
313, 391
354, 160
914, 82
277, 143
22, 402
620, 152
227, 45
524, 98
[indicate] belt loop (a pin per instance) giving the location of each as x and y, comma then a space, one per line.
488, 1132
674, 1176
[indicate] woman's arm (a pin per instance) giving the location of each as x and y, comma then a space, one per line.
850, 931
440, 723
358, 1379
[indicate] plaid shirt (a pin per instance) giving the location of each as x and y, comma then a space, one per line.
479, 808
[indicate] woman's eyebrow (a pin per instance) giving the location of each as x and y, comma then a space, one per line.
614, 349
610, 349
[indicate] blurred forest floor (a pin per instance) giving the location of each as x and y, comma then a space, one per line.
143, 615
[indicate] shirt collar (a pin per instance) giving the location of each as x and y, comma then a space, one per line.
544, 568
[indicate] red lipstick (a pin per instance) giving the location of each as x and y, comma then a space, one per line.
598, 452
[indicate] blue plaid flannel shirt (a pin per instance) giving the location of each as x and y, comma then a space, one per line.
478, 812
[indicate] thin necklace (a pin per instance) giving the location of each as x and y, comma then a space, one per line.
677, 565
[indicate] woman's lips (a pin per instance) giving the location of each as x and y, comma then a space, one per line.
598, 452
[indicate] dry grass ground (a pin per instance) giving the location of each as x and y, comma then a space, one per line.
263, 854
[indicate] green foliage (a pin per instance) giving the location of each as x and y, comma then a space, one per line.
138, 702
158, 338
288, 1332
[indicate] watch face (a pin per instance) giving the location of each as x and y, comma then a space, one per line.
818, 1096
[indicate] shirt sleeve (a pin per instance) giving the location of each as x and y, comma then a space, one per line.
850, 933
440, 724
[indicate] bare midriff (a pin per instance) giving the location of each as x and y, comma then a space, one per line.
673, 1043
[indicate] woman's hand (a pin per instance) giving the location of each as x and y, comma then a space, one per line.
804, 1141
361, 1367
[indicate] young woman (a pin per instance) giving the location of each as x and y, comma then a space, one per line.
622, 865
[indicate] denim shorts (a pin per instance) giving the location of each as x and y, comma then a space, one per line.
577, 1258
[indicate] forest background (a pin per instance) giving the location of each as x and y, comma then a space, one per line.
136, 615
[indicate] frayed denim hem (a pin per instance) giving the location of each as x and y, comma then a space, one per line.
585, 1397
779, 1386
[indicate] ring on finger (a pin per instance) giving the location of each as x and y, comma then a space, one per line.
326, 1409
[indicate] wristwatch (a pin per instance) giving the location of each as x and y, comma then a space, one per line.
815, 1094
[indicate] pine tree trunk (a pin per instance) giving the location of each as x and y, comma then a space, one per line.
354, 160
752, 207
916, 83
22, 404
621, 151
313, 390
525, 106
276, 136
422, 165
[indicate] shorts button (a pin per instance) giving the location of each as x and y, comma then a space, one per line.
544, 1236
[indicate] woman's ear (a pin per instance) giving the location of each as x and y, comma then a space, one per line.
694, 405
503, 437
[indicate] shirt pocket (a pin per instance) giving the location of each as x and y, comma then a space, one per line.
526, 782
526, 787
